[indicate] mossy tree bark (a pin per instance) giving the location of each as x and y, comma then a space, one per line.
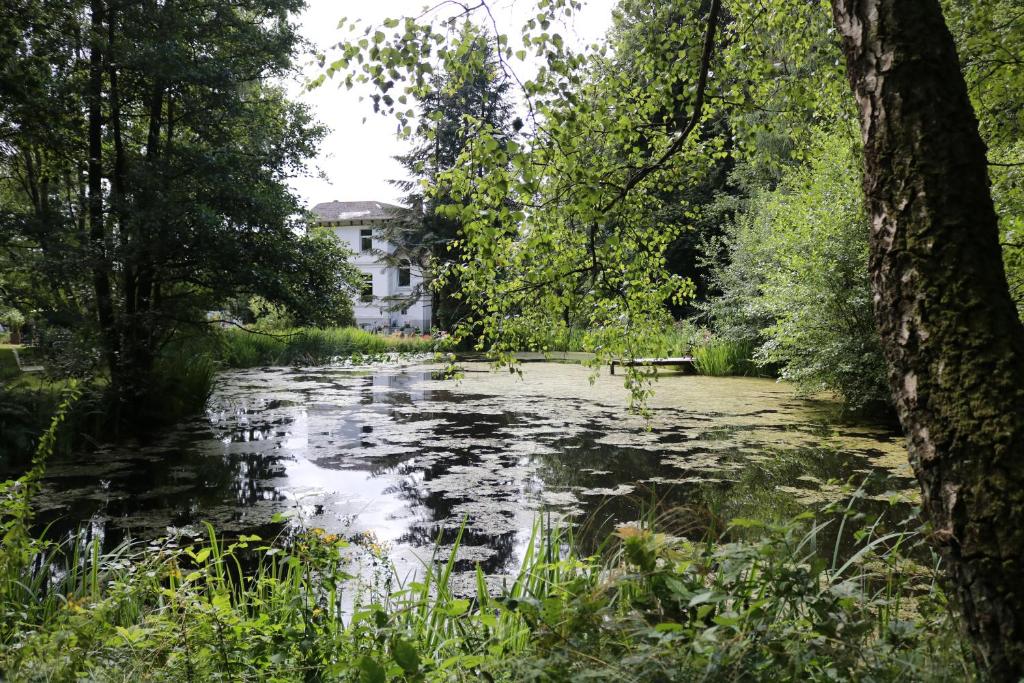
952, 338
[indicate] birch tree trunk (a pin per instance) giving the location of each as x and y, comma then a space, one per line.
952, 338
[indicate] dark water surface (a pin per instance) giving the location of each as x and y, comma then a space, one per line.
394, 454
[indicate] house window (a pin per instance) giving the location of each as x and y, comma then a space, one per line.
404, 274
366, 239
366, 294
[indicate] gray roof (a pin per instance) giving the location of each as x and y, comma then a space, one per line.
355, 211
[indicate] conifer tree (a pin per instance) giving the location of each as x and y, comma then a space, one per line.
452, 110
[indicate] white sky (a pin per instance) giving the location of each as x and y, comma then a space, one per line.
356, 157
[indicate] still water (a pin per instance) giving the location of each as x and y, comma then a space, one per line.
398, 455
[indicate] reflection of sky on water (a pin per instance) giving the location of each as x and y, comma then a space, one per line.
410, 459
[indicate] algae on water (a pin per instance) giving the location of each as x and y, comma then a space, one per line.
412, 459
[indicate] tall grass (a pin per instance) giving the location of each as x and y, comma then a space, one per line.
724, 357
310, 346
648, 606
183, 379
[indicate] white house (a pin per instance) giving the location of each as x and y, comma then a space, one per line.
358, 226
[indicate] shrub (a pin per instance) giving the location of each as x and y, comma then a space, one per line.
270, 316
796, 283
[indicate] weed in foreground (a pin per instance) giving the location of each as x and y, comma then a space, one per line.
647, 607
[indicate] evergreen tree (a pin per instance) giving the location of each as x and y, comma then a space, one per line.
453, 109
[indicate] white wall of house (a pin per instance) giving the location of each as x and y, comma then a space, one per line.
387, 288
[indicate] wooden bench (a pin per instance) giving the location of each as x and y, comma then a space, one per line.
681, 361
25, 368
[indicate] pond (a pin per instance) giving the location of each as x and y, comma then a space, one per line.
402, 457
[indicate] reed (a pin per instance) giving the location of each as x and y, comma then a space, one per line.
723, 358
312, 346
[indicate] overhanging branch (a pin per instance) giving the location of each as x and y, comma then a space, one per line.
698, 107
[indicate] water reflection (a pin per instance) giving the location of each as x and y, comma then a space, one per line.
413, 459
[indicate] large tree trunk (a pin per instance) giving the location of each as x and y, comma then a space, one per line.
951, 334
97, 217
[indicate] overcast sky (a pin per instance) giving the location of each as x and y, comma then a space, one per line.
356, 157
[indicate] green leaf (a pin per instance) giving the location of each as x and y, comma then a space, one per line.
456, 607
405, 656
704, 597
370, 671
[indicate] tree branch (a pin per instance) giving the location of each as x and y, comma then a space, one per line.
698, 107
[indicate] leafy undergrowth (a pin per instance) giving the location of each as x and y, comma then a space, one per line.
650, 608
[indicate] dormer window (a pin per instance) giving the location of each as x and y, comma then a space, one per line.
366, 239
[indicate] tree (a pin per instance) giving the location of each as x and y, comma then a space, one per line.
145, 151
948, 326
454, 108
989, 35
950, 332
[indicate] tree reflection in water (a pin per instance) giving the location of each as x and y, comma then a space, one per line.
412, 458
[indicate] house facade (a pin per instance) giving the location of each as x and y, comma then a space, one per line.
386, 301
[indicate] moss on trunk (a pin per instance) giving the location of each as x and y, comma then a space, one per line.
952, 338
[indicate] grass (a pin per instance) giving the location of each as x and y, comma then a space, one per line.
724, 358
310, 346
647, 606
712, 356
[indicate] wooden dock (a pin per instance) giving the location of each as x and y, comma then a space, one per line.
681, 361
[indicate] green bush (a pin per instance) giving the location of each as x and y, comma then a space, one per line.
269, 316
796, 282
8, 363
